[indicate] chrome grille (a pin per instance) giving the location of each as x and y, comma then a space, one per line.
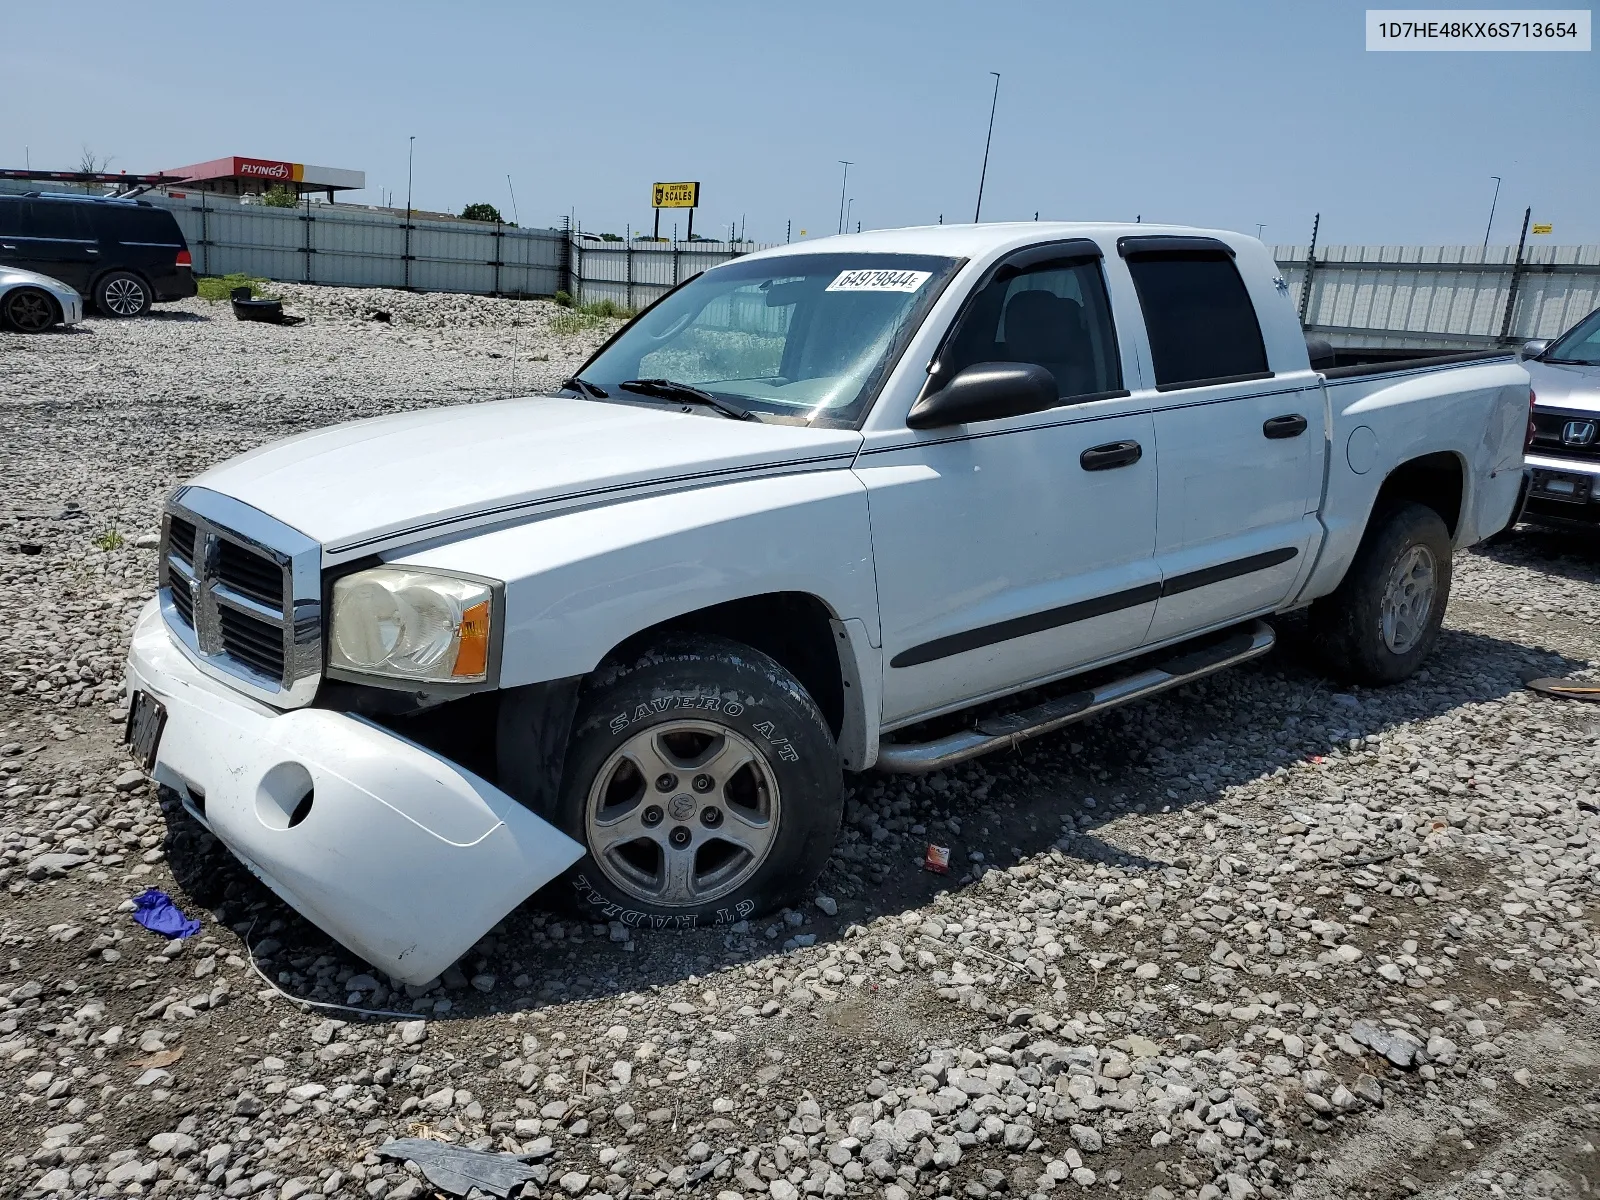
253, 642
1549, 427
250, 574
241, 592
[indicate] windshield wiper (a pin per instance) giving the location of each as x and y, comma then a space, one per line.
669, 390
1567, 362
584, 388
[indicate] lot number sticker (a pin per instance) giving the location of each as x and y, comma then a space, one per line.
879, 281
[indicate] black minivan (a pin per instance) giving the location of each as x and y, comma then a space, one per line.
121, 255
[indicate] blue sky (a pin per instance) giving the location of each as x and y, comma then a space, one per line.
1208, 114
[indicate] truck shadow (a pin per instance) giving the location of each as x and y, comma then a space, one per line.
1174, 754
1565, 554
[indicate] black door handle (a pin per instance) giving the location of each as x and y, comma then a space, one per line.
1287, 426
1112, 454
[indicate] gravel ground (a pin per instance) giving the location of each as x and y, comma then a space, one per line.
1258, 937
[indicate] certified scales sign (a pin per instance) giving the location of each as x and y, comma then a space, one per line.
675, 195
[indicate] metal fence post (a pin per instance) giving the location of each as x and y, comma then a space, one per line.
205, 237
564, 281
405, 255
306, 249
499, 252
627, 255
1311, 263
1516, 278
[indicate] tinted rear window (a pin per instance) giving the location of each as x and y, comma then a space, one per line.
124, 223
1201, 323
10, 216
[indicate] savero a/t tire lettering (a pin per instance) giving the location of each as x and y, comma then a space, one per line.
704, 784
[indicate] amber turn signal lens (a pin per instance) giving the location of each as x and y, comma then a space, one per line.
472, 654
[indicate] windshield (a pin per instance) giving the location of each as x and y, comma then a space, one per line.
1581, 344
808, 337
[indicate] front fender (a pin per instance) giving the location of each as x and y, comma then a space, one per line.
577, 583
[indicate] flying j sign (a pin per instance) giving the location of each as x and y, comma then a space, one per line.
675, 195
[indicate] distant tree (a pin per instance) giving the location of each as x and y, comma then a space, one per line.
610, 237
280, 195
91, 163
481, 212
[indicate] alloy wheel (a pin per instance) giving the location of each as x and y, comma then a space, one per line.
682, 813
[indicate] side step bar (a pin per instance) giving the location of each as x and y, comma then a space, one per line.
1008, 729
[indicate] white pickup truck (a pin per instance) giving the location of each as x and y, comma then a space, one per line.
412, 669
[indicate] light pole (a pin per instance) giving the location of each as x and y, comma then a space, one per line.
1492, 203
849, 204
984, 174
843, 183
1260, 226
411, 149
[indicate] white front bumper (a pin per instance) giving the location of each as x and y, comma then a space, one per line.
401, 855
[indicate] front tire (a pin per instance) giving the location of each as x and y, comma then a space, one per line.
1384, 618
29, 310
122, 294
703, 783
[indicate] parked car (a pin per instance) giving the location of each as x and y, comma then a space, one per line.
809, 500
122, 254
1563, 442
32, 303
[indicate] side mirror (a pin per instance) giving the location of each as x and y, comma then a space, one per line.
986, 392
1534, 348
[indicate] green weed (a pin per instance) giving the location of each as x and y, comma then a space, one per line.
220, 287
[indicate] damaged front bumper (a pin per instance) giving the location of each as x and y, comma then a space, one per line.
401, 855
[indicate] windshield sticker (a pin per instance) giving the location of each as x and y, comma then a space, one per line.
879, 281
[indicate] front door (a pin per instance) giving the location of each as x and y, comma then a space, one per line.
1241, 448
1013, 551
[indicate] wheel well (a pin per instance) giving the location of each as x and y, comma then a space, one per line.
791, 627
1434, 480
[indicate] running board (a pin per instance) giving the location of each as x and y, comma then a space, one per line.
1008, 729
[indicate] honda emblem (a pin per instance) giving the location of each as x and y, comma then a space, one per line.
1578, 433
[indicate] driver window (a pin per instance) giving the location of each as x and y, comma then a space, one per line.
1053, 314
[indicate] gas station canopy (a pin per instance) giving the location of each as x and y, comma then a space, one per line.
236, 176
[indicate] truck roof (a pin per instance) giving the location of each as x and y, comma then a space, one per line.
977, 241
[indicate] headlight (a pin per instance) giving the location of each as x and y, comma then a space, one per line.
411, 625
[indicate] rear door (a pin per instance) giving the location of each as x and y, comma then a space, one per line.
55, 238
1240, 446
45, 236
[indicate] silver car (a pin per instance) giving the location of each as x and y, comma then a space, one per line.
1563, 450
32, 303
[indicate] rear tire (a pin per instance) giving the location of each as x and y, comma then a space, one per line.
122, 294
1384, 618
702, 781
29, 310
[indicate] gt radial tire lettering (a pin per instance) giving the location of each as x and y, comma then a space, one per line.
635, 919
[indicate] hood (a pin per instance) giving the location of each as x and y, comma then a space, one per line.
12, 276
1556, 385
413, 474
